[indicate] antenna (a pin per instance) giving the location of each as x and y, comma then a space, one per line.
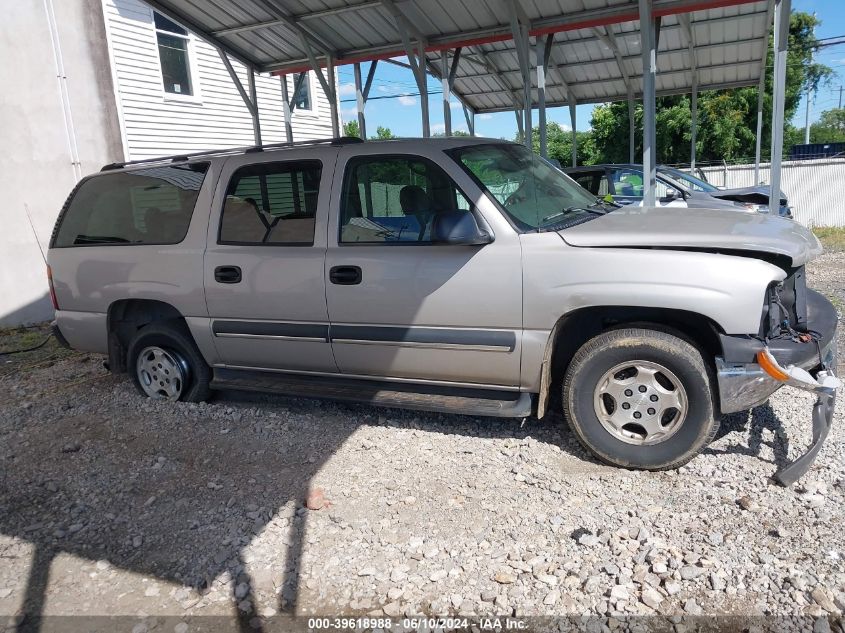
34, 232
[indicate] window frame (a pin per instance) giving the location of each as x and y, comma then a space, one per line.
353, 160
307, 83
60, 220
314, 161
193, 66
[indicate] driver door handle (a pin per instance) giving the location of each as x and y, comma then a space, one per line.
345, 275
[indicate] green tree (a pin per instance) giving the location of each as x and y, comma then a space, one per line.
350, 128
830, 128
383, 133
559, 144
727, 124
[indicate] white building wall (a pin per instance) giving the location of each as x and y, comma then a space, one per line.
156, 123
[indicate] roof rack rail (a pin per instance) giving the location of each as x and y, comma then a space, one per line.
179, 158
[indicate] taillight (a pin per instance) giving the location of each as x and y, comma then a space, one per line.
52, 290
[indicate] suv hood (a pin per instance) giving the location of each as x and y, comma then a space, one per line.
701, 229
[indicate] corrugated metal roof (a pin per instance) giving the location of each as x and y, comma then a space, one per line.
730, 39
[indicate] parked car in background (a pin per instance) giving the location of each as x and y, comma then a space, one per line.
624, 184
460, 275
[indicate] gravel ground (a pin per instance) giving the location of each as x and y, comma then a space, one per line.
112, 504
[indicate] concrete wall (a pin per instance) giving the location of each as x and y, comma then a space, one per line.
36, 131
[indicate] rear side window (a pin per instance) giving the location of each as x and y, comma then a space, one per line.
272, 204
141, 206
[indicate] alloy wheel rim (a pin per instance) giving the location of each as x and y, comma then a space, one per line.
162, 373
640, 402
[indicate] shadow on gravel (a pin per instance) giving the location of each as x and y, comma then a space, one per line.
755, 422
181, 502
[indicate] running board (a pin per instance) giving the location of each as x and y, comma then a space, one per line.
421, 397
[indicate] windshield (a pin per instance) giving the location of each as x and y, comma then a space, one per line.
534, 194
691, 182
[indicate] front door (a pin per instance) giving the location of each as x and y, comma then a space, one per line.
403, 307
264, 263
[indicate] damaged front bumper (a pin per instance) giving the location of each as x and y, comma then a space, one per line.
750, 372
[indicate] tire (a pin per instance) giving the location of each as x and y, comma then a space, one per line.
675, 383
175, 347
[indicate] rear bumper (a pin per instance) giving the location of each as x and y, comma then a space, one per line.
57, 334
808, 366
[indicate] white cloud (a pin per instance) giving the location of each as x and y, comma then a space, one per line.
485, 116
382, 88
407, 100
348, 114
346, 90
438, 128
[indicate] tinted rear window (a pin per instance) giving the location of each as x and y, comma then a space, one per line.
142, 206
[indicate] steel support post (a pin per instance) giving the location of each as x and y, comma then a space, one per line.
782, 10
286, 110
543, 51
649, 59
694, 121
572, 121
632, 140
761, 91
469, 115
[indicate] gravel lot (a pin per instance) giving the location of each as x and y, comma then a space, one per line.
112, 504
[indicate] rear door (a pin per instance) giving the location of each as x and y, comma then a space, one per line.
263, 269
403, 307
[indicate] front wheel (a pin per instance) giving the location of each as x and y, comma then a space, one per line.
165, 364
640, 398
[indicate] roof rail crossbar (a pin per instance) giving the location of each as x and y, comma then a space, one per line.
178, 158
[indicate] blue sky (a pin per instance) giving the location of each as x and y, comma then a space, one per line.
402, 114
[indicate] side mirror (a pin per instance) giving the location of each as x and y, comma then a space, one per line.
458, 227
671, 194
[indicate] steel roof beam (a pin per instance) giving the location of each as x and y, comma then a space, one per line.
295, 25
725, 85
571, 21
315, 15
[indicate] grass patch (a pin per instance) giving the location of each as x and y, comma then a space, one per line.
831, 237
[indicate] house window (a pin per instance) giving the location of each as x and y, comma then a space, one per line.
173, 53
302, 97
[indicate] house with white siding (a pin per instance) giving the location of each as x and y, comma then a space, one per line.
174, 94
103, 81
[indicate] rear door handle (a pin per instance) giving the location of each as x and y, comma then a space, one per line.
227, 274
345, 275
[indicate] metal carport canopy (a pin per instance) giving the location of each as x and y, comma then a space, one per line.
595, 56
583, 51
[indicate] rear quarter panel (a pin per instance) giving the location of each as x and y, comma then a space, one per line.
88, 279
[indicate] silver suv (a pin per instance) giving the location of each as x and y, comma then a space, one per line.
458, 275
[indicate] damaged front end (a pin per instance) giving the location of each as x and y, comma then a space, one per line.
797, 347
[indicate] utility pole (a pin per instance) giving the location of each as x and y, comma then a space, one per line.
809, 95
807, 119
840, 97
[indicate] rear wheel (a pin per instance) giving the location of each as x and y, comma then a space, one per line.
165, 364
640, 398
